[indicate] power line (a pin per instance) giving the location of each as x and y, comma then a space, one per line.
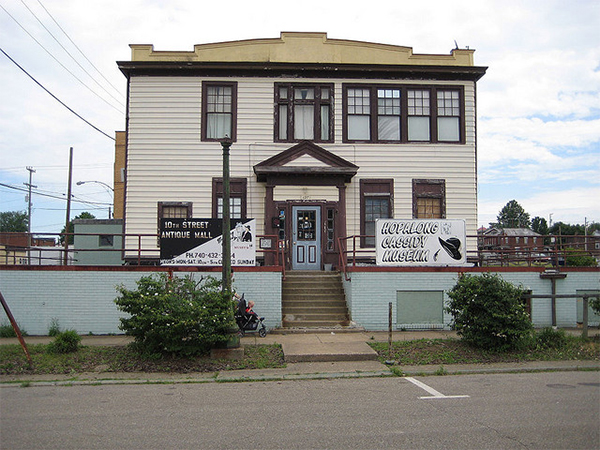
55, 97
74, 198
58, 62
68, 53
80, 51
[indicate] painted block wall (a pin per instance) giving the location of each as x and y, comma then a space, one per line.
84, 300
369, 295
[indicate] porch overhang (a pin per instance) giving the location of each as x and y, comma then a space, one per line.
329, 169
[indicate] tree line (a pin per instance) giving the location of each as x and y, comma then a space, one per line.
512, 215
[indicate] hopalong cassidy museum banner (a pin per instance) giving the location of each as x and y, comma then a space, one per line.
431, 242
199, 242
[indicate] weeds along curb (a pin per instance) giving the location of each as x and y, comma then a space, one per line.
399, 372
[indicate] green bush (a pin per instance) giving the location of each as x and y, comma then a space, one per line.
54, 328
594, 302
65, 342
488, 312
578, 258
177, 316
550, 338
7, 330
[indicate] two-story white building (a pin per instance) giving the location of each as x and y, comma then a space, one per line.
328, 135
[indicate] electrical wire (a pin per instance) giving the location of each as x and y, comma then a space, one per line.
59, 63
70, 55
55, 97
80, 51
73, 197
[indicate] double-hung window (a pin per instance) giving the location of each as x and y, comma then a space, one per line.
388, 114
359, 114
237, 198
376, 202
419, 117
448, 115
403, 114
303, 112
219, 105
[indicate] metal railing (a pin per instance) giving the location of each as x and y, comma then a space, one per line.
494, 251
585, 297
141, 253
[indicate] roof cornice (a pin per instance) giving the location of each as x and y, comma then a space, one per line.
303, 70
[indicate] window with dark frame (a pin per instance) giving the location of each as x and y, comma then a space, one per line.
403, 114
376, 202
429, 199
419, 115
237, 198
219, 111
303, 112
448, 115
172, 210
388, 115
106, 240
358, 110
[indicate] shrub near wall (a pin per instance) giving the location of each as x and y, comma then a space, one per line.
488, 312
176, 315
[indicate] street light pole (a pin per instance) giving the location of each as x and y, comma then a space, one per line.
226, 255
68, 219
108, 188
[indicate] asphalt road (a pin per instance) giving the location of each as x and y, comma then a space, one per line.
532, 410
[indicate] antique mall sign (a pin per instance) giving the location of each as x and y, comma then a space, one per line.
198, 242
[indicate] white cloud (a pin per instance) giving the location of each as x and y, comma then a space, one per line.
538, 104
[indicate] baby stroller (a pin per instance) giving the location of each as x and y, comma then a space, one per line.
248, 322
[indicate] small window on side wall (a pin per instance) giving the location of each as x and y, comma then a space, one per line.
105, 240
172, 210
429, 199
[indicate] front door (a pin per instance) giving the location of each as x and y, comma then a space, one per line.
306, 238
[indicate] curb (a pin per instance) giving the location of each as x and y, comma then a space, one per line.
282, 375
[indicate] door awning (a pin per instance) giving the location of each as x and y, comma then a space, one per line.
306, 160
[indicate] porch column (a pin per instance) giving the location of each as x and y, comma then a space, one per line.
269, 258
340, 223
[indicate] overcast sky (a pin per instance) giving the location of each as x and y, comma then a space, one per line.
538, 104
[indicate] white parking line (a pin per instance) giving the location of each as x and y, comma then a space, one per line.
434, 394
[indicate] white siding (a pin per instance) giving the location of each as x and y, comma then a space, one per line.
166, 160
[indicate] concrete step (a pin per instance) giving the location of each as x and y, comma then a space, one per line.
309, 301
289, 309
302, 316
313, 323
313, 299
326, 352
313, 289
332, 330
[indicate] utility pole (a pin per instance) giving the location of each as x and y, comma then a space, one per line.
29, 185
585, 233
66, 243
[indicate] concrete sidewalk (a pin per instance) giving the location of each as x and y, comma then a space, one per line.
308, 355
